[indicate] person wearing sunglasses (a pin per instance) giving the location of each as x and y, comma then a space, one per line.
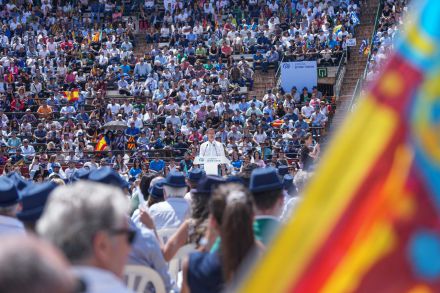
88, 223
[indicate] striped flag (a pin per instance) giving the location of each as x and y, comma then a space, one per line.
72, 96
370, 219
97, 37
101, 145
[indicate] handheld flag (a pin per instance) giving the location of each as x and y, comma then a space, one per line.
337, 29
72, 96
101, 145
97, 37
354, 18
370, 222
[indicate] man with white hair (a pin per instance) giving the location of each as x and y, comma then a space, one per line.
8, 208
92, 232
175, 209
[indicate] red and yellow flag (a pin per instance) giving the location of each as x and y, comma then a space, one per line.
370, 219
72, 96
101, 145
97, 37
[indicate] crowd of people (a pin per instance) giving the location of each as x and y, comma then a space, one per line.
98, 138
61, 60
92, 228
388, 28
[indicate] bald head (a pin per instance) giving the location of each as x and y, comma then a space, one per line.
31, 265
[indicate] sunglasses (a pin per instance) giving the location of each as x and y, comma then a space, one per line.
131, 234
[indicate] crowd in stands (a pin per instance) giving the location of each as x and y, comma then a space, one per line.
62, 62
85, 103
389, 24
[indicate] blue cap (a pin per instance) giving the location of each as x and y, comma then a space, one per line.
265, 179
288, 182
107, 175
207, 184
80, 174
156, 191
18, 180
283, 170
33, 200
195, 174
175, 179
235, 179
8, 192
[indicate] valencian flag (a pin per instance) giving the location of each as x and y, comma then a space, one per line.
101, 145
72, 96
370, 219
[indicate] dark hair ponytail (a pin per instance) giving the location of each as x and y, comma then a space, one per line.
233, 210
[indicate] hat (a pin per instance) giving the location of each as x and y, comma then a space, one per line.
107, 175
8, 192
288, 182
33, 200
79, 174
18, 180
265, 179
56, 165
207, 184
175, 179
156, 191
195, 174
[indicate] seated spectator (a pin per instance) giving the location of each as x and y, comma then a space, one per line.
157, 165
28, 151
267, 191
44, 111
97, 252
211, 272
175, 209
9, 207
307, 110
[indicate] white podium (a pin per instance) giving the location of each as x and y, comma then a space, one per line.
210, 164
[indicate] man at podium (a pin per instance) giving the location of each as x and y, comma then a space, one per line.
211, 148
211, 155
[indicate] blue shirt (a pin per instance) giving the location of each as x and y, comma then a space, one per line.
205, 272
237, 164
83, 116
301, 124
134, 172
145, 251
157, 165
132, 131
243, 106
125, 68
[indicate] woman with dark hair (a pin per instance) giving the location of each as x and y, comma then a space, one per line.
307, 156
135, 170
231, 216
256, 158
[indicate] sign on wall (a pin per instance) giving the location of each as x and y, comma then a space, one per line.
300, 74
322, 72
